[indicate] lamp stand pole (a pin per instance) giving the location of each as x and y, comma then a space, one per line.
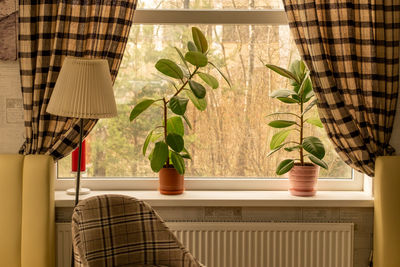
78, 178
78, 174
78, 169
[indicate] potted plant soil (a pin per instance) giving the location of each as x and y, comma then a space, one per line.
188, 84
302, 174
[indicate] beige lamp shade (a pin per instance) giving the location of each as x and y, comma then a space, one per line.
83, 90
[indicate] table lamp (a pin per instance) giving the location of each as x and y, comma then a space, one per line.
83, 90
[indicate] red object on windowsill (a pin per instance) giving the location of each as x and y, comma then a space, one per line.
75, 157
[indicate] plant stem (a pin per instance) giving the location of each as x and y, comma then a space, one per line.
165, 125
185, 83
301, 134
165, 102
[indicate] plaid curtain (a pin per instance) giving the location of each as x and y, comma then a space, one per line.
352, 51
48, 32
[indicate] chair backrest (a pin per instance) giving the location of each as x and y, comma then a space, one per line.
387, 212
27, 223
116, 230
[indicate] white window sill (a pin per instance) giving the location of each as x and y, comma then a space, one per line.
236, 198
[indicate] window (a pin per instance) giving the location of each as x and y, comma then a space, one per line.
230, 139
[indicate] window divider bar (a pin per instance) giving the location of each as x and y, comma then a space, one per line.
154, 16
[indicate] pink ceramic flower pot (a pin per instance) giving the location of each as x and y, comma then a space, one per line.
303, 179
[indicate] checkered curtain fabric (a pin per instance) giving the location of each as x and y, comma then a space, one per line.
117, 230
352, 51
48, 32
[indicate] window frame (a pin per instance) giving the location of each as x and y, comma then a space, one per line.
356, 183
219, 17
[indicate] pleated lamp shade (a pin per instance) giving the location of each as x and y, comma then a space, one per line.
83, 90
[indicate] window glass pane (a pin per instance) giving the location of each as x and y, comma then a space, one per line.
229, 139
210, 4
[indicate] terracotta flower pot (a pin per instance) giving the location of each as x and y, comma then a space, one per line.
303, 179
171, 182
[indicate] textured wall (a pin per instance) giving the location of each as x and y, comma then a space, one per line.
11, 113
8, 30
11, 116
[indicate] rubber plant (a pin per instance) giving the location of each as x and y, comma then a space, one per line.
307, 147
169, 149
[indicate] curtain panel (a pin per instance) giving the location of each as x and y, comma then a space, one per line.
48, 32
352, 51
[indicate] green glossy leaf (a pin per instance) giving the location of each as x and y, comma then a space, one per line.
284, 166
296, 97
318, 161
314, 146
140, 107
178, 162
315, 121
175, 125
175, 141
283, 72
283, 113
198, 89
221, 73
159, 156
279, 138
187, 121
199, 40
209, 79
281, 123
178, 105
298, 68
156, 136
196, 58
182, 57
307, 89
275, 150
296, 86
292, 148
146, 143
282, 93
169, 68
309, 96
303, 85
186, 154
288, 100
310, 106
200, 104
150, 155
191, 46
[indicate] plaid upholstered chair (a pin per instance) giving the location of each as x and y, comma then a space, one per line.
121, 231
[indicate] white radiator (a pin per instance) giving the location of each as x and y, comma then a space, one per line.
239, 244
63, 244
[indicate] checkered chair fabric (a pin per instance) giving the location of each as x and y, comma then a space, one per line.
117, 230
48, 32
352, 51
